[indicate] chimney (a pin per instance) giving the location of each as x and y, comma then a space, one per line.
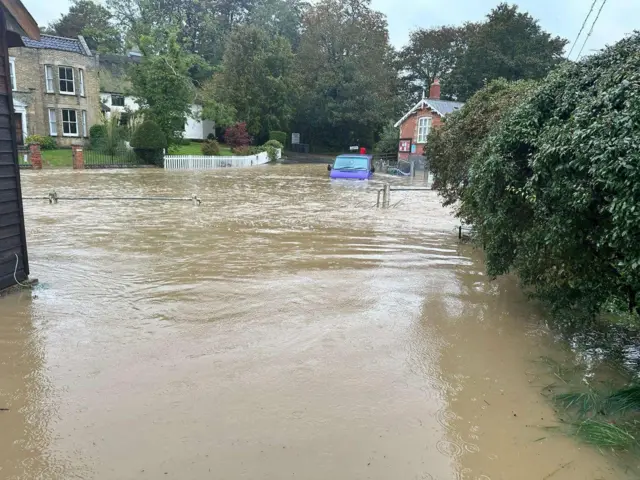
434, 89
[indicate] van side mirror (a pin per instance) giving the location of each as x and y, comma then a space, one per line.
329, 167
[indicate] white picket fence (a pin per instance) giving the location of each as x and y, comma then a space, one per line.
204, 162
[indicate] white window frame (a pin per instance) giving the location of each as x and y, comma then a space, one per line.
81, 80
12, 73
49, 79
53, 122
84, 123
71, 81
69, 122
423, 129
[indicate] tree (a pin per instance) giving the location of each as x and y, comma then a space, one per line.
91, 20
451, 147
237, 136
389, 140
554, 192
280, 17
257, 80
161, 84
346, 74
509, 45
430, 54
202, 26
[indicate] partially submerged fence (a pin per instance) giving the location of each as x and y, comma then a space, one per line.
203, 162
120, 157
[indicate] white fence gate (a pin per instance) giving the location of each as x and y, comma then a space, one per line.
204, 162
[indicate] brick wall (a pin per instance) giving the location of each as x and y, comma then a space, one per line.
409, 128
31, 90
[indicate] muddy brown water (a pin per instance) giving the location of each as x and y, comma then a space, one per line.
284, 329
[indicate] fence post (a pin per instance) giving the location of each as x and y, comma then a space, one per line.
78, 157
36, 156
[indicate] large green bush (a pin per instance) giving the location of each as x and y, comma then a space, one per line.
46, 142
210, 147
274, 144
450, 148
148, 143
278, 136
97, 133
554, 194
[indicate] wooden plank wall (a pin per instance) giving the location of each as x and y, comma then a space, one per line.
12, 232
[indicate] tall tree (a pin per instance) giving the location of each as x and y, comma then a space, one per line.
509, 45
280, 17
93, 21
196, 22
431, 53
161, 83
257, 80
346, 74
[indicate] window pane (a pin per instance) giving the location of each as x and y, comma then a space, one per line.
72, 115
65, 115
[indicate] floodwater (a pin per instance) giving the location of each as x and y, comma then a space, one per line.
283, 329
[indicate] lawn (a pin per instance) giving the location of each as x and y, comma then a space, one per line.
60, 157
194, 149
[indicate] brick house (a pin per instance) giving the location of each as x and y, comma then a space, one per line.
415, 125
55, 88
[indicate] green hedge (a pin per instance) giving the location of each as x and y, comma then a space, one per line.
46, 142
278, 136
148, 142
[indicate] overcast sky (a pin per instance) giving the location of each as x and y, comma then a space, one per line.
560, 17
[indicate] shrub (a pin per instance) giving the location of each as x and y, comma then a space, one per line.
148, 142
553, 192
274, 144
271, 150
96, 134
389, 140
241, 150
46, 142
210, 147
237, 136
278, 136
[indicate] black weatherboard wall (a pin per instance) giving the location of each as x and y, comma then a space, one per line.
12, 234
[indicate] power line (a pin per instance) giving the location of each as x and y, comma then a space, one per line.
591, 31
582, 28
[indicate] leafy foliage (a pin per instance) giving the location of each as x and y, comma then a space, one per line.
256, 80
93, 21
430, 54
389, 140
274, 144
46, 142
554, 194
210, 147
509, 45
346, 74
280, 137
451, 147
237, 136
162, 86
148, 142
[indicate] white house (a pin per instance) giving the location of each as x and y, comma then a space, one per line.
194, 129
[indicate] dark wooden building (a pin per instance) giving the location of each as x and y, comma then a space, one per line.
15, 22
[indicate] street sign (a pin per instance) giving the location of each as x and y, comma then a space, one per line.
295, 138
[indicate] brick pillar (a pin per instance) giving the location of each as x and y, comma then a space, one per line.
35, 156
78, 157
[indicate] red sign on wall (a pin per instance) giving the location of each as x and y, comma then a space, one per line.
405, 146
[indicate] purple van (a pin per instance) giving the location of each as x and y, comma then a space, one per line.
353, 166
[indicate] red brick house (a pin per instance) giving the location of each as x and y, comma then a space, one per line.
425, 115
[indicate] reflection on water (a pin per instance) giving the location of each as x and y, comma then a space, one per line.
285, 328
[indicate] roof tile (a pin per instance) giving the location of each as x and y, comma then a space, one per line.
55, 43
